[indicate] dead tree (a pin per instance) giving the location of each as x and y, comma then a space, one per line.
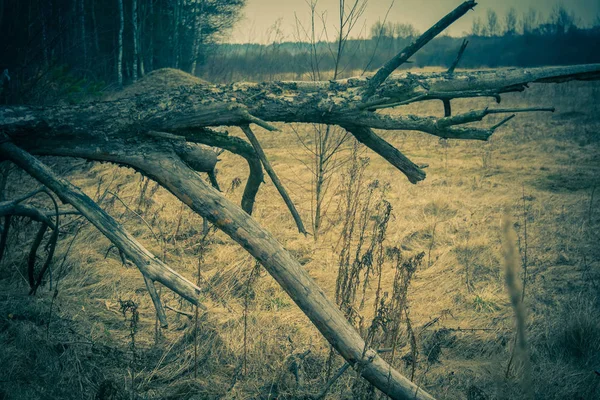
156, 143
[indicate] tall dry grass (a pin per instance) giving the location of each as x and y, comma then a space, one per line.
453, 332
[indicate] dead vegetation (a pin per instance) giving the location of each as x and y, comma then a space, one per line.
455, 338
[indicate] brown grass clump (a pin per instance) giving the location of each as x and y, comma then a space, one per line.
447, 315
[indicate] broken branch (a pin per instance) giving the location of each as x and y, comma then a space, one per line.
389, 67
149, 265
367, 137
271, 172
461, 51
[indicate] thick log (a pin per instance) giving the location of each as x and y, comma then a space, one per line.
336, 102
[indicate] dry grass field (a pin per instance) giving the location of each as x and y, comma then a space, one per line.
72, 341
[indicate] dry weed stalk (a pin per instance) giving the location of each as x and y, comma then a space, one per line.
129, 306
363, 254
254, 274
513, 285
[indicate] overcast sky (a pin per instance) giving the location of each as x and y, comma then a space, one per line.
260, 15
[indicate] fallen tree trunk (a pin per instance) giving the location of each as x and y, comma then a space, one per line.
80, 133
184, 112
157, 145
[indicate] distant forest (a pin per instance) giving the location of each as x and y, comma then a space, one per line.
496, 41
75, 48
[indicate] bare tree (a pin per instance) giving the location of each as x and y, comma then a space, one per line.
511, 21
120, 44
157, 144
134, 29
530, 21
493, 26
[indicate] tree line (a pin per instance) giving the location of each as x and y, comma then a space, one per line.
526, 40
106, 41
82, 47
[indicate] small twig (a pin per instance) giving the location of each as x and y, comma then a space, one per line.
59, 275
137, 215
181, 312
32, 256
504, 121
28, 195
459, 329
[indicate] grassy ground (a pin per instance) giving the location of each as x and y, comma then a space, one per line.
72, 341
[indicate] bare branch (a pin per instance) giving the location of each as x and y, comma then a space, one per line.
478, 115
237, 146
160, 311
410, 50
263, 158
23, 210
367, 137
181, 312
461, 51
442, 127
149, 265
52, 247
504, 121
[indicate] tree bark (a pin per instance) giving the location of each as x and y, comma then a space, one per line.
120, 44
134, 28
